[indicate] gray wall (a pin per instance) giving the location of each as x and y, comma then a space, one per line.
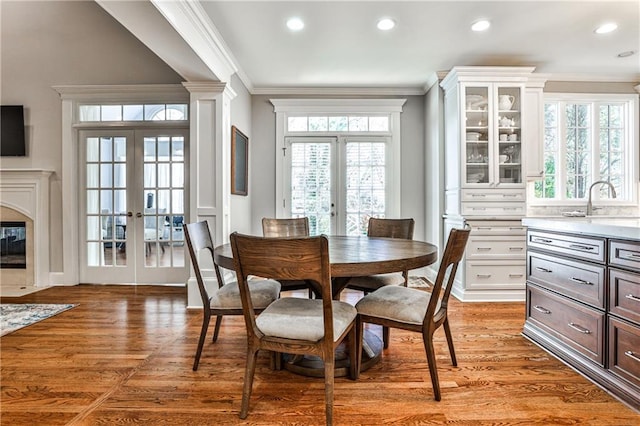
44, 44
263, 152
240, 219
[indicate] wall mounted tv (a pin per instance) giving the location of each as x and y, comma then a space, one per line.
12, 141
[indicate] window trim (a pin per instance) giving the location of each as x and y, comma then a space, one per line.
296, 107
633, 150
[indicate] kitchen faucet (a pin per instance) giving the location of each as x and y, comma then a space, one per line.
589, 204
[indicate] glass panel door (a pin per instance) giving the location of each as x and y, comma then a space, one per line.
134, 206
105, 246
163, 198
476, 135
311, 182
509, 135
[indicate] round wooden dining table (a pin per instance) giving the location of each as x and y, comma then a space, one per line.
355, 256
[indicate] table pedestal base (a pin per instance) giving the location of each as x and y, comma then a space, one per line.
312, 366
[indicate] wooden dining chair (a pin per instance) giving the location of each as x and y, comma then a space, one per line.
293, 325
225, 300
387, 228
418, 310
288, 227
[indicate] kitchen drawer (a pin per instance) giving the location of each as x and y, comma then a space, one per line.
493, 209
497, 227
624, 295
488, 247
495, 275
579, 280
624, 350
588, 248
577, 326
500, 195
625, 254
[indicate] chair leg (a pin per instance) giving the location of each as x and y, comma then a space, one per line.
452, 352
203, 336
216, 330
433, 368
385, 337
359, 336
354, 367
329, 366
252, 355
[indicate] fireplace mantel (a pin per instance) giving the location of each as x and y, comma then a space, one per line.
27, 191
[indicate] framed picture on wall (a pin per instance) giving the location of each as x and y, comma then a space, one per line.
239, 162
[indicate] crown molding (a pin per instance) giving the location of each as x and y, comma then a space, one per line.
596, 78
339, 91
190, 20
122, 92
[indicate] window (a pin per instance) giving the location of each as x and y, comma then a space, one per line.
146, 112
352, 123
588, 138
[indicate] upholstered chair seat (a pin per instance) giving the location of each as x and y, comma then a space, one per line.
374, 282
263, 292
293, 318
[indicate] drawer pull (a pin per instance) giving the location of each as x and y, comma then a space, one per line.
483, 275
485, 228
581, 247
510, 208
515, 228
484, 248
579, 281
515, 275
543, 269
542, 310
515, 248
632, 297
631, 355
478, 208
632, 256
509, 195
541, 240
579, 328
478, 195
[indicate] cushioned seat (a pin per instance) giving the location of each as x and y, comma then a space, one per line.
263, 292
396, 303
373, 282
293, 318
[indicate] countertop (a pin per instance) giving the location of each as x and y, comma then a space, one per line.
607, 226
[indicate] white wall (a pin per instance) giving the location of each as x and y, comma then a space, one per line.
44, 44
263, 153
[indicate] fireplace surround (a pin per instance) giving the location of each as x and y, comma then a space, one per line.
24, 197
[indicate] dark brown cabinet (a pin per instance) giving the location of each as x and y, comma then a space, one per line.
583, 305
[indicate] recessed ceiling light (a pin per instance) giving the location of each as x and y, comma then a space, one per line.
481, 25
385, 24
295, 24
606, 28
626, 54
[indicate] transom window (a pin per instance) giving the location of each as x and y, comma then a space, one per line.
587, 139
338, 123
138, 112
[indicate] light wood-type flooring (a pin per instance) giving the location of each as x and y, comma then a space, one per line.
124, 356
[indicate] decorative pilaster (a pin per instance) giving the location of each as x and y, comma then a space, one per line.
210, 165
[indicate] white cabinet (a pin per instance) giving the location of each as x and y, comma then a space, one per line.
492, 129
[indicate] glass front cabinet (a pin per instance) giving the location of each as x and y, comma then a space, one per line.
491, 117
492, 135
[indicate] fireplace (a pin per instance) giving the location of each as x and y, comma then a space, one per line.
13, 245
24, 213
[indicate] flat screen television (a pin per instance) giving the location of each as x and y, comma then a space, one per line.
12, 142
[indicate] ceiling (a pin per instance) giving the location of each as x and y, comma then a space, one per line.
340, 46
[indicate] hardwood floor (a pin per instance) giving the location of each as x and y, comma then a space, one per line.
124, 355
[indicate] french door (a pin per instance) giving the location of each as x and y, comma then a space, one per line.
133, 198
337, 182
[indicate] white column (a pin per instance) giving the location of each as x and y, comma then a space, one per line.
209, 166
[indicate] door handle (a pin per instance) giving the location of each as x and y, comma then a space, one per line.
138, 214
129, 214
